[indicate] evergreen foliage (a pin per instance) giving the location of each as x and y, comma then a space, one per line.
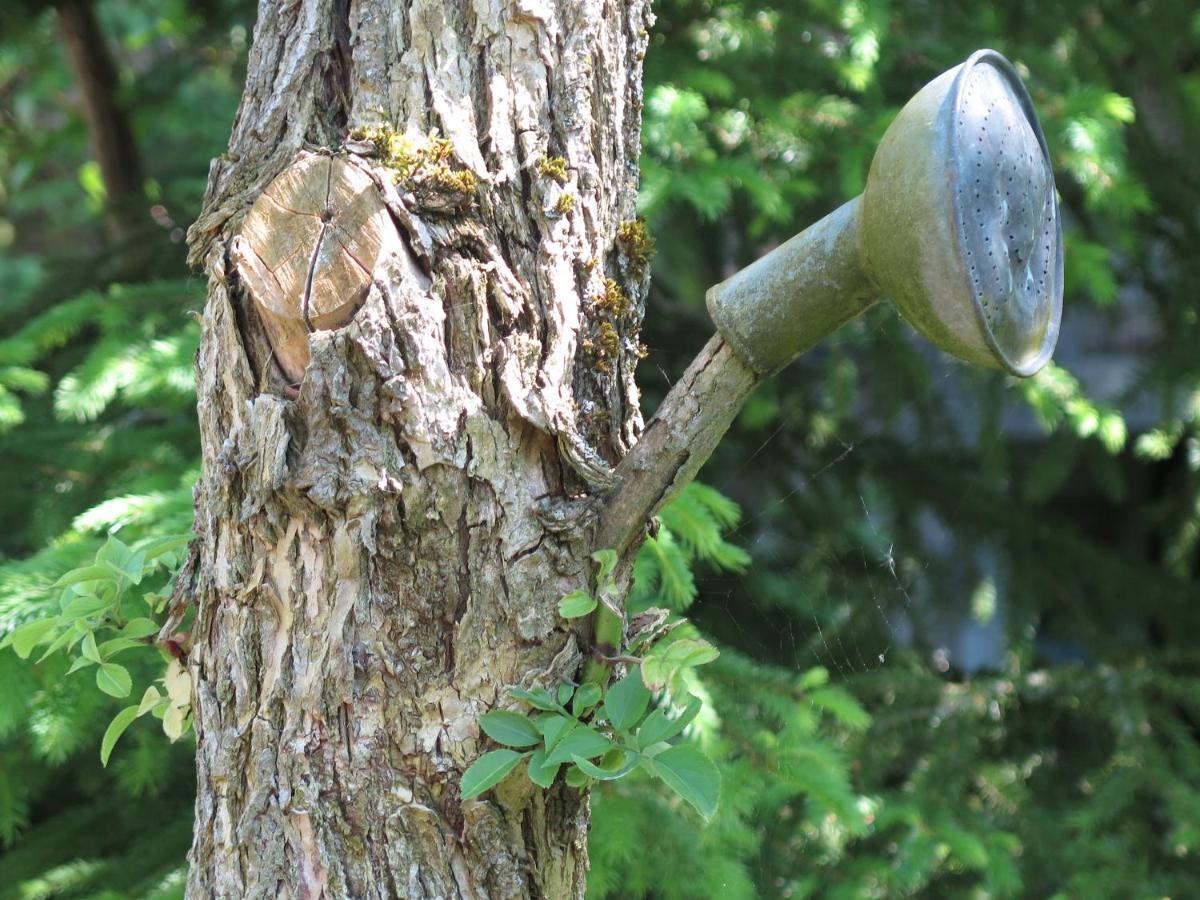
955, 623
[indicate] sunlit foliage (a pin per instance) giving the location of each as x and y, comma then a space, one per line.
955, 612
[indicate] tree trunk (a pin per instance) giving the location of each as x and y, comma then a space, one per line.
107, 120
383, 544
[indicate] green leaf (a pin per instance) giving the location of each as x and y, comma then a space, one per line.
136, 568
555, 728
581, 741
21, 378
607, 560
153, 549
565, 691
122, 559
693, 524
576, 604
600, 773
58, 643
139, 628
725, 511
842, 706
659, 727
696, 518
114, 680
541, 773
676, 583
150, 699
969, 849
665, 660
586, 697
626, 701
690, 774
109, 649
813, 678
510, 728
115, 729
156, 600
92, 182
115, 552
89, 649
83, 606
488, 771
576, 777
29, 635
689, 653
656, 673
81, 662
539, 698
85, 574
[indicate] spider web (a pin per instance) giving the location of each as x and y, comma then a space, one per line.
888, 573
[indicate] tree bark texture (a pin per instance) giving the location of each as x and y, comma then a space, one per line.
384, 544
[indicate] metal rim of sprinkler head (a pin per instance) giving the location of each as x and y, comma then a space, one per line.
958, 225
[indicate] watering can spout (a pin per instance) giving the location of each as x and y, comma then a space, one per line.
780, 305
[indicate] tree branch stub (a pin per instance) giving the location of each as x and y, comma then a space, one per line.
307, 249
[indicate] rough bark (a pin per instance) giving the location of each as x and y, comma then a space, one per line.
383, 548
107, 120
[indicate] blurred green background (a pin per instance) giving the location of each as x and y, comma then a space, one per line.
958, 613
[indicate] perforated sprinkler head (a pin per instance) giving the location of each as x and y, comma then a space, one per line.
958, 225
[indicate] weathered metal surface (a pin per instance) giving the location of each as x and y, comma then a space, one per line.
958, 225
306, 250
780, 305
1008, 227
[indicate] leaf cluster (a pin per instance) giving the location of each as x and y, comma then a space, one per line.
599, 735
101, 615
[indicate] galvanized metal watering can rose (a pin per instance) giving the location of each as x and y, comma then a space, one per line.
958, 226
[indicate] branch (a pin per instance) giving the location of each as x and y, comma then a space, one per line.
679, 439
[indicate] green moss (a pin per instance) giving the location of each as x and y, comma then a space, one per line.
422, 165
554, 167
605, 347
608, 311
610, 340
600, 418
635, 240
613, 301
462, 181
396, 151
565, 204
